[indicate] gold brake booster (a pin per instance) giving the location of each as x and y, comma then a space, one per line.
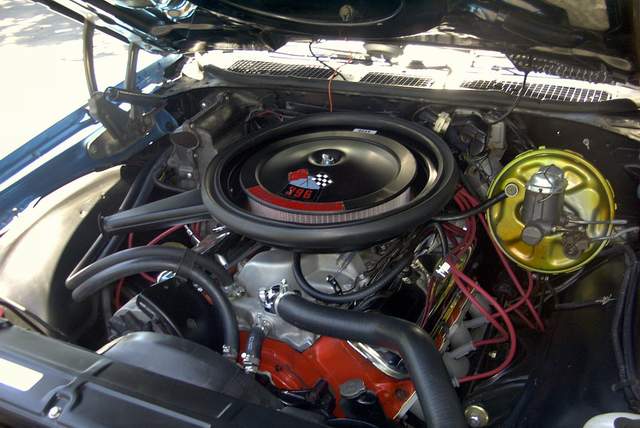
558, 213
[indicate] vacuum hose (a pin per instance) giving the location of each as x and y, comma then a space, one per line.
439, 402
473, 211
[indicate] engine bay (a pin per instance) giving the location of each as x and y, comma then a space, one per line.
384, 263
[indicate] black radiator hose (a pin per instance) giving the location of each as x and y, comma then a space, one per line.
184, 263
205, 263
438, 399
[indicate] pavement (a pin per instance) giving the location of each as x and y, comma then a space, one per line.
41, 72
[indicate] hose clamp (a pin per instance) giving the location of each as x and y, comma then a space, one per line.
280, 296
270, 296
250, 363
229, 352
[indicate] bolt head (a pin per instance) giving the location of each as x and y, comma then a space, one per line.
401, 394
476, 416
352, 388
54, 412
511, 190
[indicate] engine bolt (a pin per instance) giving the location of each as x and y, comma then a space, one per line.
476, 416
54, 412
401, 394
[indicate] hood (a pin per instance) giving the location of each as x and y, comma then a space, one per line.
594, 40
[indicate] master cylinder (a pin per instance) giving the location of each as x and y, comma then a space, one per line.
543, 203
559, 209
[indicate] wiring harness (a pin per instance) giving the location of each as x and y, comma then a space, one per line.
498, 316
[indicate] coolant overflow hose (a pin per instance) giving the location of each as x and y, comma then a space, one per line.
439, 402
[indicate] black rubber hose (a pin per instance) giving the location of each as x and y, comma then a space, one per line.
438, 399
92, 253
116, 241
253, 352
224, 309
99, 246
617, 330
444, 244
254, 342
628, 323
473, 211
207, 264
371, 289
138, 193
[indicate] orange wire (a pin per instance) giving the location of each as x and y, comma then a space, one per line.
329, 91
333, 76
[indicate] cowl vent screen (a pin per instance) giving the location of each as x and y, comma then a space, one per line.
277, 69
541, 91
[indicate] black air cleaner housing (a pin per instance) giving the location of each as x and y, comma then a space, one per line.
331, 181
328, 177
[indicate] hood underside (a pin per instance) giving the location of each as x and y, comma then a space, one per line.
594, 40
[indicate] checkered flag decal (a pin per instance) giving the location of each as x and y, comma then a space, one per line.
322, 179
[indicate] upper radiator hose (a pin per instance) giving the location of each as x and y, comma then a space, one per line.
439, 402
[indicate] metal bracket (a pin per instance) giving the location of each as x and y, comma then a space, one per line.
123, 128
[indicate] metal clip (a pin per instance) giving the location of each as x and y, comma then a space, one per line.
443, 270
268, 296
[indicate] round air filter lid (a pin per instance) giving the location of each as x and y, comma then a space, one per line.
367, 178
350, 174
